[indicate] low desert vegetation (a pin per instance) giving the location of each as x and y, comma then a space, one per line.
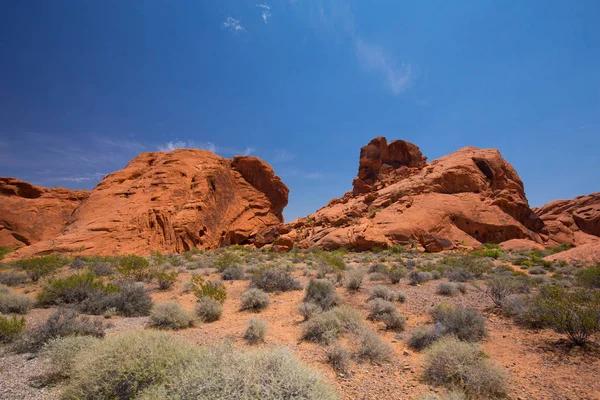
13, 278
338, 357
372, 347
275, 280
385, 311
324, 328
322, 293
170, 315
208, 309
385, 293
255, 300
256, 331
11, 328
465, 323
454, 364
14, 303
39, 267
214, 290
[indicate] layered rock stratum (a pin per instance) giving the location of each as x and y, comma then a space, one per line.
172, 202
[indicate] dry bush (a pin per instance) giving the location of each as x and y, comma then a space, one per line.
208, 309
256, 331
465, 323
275, 280
322, 293
338, 357
254, 300
372, 347
386, 312
170, 315
13, 303
447, 289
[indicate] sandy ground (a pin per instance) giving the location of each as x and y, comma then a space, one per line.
538, 365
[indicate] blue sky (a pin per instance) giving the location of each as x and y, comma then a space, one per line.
87, 85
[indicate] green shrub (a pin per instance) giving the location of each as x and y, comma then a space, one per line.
272, 374
11, 328
327, 326
165, 279
459, 365
275, 280
499, 287
212, 289
12, 278
64, 322
226, 260
354, 280
61, 353
134, 268
208, 309
255, 300
333, 259
322, 293
73, 289
573, 313
372, 347
338, 357
39, 267
256, 331
590, 277
386, 312
447, 289
122, 366
170, 315
423, 336
4, 251
465, 323
233, 273
13, 303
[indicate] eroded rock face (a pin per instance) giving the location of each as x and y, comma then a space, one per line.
575, 221
173, 202
30, 214
467, 198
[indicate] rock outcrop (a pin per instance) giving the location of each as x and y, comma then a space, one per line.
576, 222
173, 202
30, 214
469, 197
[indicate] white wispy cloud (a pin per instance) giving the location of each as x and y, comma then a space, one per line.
233, 24
210, 146
374, 57
84, 178
266, 12
282, 155
178, 144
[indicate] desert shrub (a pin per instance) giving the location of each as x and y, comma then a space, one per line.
379, 269
351, 319
78, 263
11, 328
39, 267
275, 280
395, 274
61, 353
233, 273
386, 312
73, 289
101, 268
256, 331
460, 275
450, 395
383, 292
460, 365
134, 268
226, 260
377, 276
446, 289
13, 303
327, 326
477, 266
418, 277
590, 277
255, 300
338, 357
309, 310
130, 299
354, 280
165, 279
272, 374
12, 278
537, 271
372, 347
4, 251
170, 315
499, 287
465, 323
321, 292
208, 309
64, 322
212, 289
333, 259
423, 336
573, 313
122, 366
462, 288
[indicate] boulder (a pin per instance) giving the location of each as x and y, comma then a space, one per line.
173, 202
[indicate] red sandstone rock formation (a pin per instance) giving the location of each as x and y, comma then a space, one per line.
30, 214
173, 202
469, 197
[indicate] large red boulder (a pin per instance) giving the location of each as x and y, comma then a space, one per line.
30, 214
173, 202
